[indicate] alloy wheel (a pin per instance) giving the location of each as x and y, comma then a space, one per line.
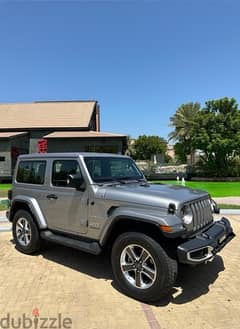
138, 266
23, 232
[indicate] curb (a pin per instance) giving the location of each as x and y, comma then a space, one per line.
230, 212
5, 229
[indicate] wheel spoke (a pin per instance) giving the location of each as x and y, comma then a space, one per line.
26, 225
138, 279
27, 238
19, 234
128, 267
144, 256
148, 272
19, 226
131, 253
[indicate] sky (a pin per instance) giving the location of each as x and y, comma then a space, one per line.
139, 59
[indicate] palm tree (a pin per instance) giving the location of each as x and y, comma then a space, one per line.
184, 121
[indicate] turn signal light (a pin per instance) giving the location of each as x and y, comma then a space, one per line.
165, 228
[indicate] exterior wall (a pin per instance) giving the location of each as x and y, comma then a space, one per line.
35, 136
85, 145
95, 119
20, 144
5, 151
170, 151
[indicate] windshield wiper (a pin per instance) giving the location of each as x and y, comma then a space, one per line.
121, 180
109, 181
128, 179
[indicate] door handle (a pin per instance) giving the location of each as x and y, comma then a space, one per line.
52, 196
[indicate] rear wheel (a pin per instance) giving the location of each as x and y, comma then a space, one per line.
141, 267
25, 232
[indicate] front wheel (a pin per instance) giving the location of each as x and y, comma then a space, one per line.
141, 267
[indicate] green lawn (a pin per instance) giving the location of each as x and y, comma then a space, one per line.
216, 189
228, 206
4, 204
3, 207
4, 189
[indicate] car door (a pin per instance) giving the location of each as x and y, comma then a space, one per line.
64, 207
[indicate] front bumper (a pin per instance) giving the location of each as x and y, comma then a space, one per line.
204, 246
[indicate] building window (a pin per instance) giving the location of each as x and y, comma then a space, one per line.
102, 148
31, 172
2, 159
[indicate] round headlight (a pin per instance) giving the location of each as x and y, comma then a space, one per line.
187, 215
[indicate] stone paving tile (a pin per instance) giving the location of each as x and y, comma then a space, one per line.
208, 296
228, 200
79, 286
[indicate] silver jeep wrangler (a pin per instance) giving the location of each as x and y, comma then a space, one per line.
92, 201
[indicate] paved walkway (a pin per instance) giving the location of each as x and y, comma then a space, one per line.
80, 286
2, 215
229, 200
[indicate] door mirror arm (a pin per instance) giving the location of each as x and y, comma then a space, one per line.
81, 187
76, 182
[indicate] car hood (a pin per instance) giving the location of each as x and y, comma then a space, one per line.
151, 194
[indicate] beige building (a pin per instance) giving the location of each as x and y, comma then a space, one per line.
55, 126
170, 151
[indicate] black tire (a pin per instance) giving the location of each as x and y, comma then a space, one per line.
34, 239
165, 273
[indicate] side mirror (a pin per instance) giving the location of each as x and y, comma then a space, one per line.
76, 182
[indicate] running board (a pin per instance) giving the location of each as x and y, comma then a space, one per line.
90, 247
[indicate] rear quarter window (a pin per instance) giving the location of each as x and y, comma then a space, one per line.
31, 172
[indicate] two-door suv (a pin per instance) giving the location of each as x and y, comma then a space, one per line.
92, 201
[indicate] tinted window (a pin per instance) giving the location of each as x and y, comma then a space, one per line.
62, 169
31, 172
108, 168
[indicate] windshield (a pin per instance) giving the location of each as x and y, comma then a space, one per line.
105, 169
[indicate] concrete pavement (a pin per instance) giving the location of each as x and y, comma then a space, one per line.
79, 286
235, 200
5, 226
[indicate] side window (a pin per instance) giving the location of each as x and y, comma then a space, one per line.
31, 172
64, 169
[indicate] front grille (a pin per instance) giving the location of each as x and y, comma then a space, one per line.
202, 213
